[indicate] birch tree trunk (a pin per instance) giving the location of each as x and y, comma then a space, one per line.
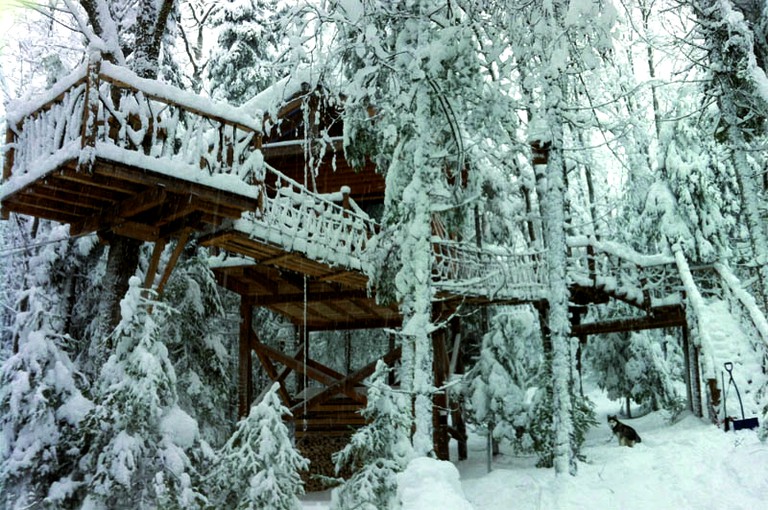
551, 195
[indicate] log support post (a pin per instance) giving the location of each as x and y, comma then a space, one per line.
439, 400
245, 363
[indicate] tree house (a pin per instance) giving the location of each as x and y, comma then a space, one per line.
108, 152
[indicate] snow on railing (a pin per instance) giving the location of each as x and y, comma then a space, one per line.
329, 228
643, 280
494, 272
109, 109
163, 122
54, 126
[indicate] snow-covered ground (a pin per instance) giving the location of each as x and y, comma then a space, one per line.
687, 465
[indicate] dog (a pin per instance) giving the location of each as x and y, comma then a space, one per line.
626, 434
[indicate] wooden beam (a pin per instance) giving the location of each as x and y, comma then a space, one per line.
10, 206
311, 297
29, 198
180, 244
662, 317
271, 370
157, 252
302, 368
348, 382
191, 221
136, 231
90, 191
119, 213
104, 182
234, 201
367, 323
73, 199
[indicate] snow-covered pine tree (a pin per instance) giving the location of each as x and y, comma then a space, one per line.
642, 366
509, 365
41, 404
377, 451
244, 63
136, 440
415, 63
655, 373
607, 357
701, 177
736, 82
200, 338
259, 467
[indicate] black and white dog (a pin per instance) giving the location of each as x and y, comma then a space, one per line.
626, 434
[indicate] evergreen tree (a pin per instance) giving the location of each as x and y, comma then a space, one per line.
41, 404
654, 373
137, 439
508, 367
539, 434
736, 83
258, 467
702, 179
377, 451
641, 366
200, 337
244, 63
418, 59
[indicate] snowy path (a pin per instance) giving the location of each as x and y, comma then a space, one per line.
690, 465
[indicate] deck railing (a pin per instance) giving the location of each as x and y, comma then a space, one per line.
50, 128
107, 110
325, 227
642, 280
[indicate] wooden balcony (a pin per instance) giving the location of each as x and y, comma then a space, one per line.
106, 151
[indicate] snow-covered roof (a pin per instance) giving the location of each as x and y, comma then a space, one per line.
273, 97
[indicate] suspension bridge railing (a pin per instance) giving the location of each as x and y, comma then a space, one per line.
641, 280
491, 271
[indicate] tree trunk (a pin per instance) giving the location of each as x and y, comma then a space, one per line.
549, 180
122, 260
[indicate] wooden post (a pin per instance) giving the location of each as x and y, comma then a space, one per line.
458, 427
696, 376
687, 369
180, 244
244, 362
693, 382
157, 251
301, 345
89, 129
10, 137
439, 400
8, 163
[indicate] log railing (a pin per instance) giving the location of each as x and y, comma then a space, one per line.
641, 280
105, 109
328, 228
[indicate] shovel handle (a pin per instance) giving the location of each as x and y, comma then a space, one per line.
728, 367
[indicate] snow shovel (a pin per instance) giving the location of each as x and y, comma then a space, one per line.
743, 423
